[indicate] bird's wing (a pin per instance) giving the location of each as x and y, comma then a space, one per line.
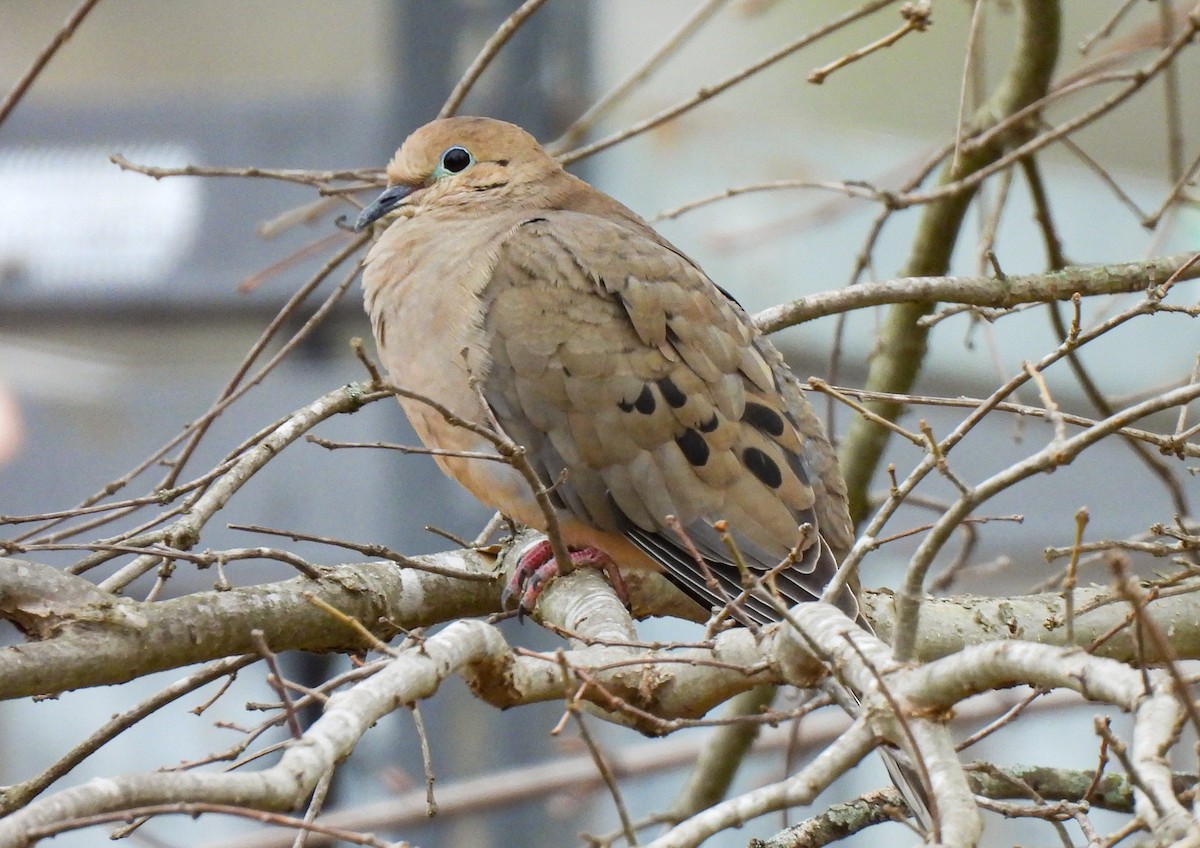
641, 391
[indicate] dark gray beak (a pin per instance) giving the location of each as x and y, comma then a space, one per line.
385, 203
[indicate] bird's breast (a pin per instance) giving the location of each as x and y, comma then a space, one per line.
422, 288
422, 292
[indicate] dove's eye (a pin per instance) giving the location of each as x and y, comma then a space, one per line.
456, 159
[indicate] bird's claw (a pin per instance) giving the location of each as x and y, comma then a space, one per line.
537, 566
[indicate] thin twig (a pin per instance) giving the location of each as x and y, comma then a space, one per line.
42, 59
491, 47
288, 175
572, 134
370, 550
275, 679
917, 18
973, 32
709, 92
315, 804
1106, 29
1071, 578
426, 761
606, 773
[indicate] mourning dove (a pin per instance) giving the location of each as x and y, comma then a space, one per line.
638, 388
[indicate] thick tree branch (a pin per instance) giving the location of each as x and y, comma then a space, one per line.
996, 292
88, 638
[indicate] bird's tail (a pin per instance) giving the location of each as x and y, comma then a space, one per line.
910, 786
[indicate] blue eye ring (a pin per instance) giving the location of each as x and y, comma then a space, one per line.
455, 160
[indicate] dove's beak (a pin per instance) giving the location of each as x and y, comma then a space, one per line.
391, 197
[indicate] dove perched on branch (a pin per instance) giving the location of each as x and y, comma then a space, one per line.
507, 290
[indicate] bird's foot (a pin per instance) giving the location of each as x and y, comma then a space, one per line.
537, 566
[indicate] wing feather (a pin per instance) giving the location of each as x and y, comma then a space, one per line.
623, 365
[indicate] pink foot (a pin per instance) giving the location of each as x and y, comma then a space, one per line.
537, 567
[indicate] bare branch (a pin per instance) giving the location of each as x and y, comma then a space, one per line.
43, 58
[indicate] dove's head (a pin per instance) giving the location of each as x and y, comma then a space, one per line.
462, 162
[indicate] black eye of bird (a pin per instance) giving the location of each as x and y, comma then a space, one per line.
455, 159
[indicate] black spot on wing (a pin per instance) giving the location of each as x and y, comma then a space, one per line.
763, 418
671, 393
694, 448
643, 403
711, 424
762, 467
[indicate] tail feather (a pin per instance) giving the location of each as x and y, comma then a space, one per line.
908, 783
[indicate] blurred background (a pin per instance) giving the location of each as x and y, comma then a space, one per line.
121, 316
